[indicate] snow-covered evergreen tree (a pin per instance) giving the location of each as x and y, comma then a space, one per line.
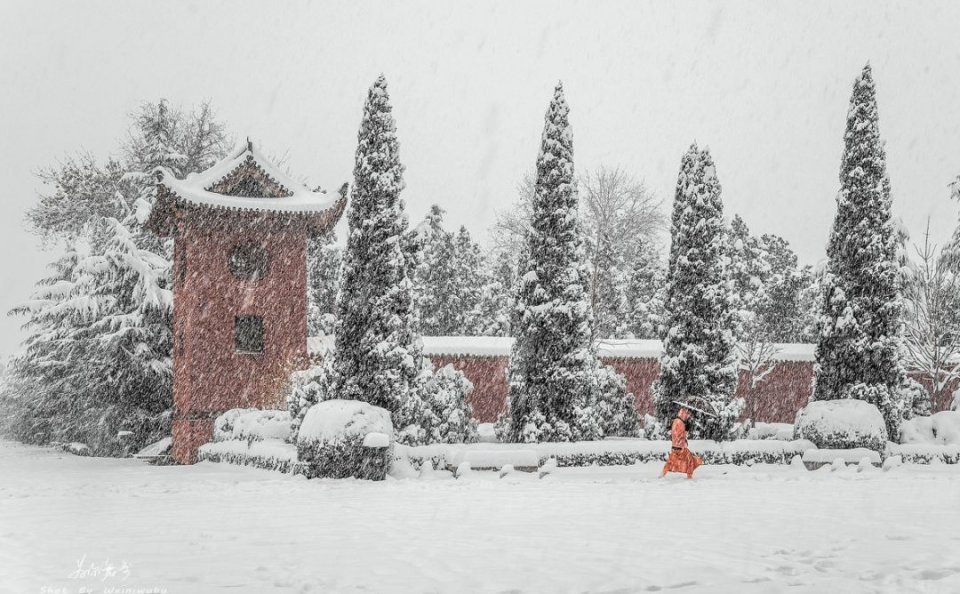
106, 319
435, 279
699, 360
323, 275
377, 356
471, 279
450, 416
44, 379
860, 340
496, 305
785, 285
552, 372
98, 356
643, 298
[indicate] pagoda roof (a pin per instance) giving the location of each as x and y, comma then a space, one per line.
247, 180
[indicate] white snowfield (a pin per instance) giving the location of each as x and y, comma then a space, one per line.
70, 522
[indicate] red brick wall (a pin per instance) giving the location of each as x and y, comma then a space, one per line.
488, 375
784, 391
210, 377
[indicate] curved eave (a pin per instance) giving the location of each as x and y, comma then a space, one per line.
170, 206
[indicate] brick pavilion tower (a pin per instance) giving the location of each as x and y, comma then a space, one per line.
240, 234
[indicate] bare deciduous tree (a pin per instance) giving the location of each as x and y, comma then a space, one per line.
620, 219
932, 296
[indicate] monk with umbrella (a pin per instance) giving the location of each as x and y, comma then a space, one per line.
681, 458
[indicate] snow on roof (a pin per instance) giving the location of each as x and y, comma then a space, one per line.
497, 346
196, 188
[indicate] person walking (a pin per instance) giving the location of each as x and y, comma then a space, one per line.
681, 458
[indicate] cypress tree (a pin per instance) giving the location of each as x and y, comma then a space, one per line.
699, 360
376, 357
859, 327
553, 365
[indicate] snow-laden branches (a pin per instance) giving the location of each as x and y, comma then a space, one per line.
932, 333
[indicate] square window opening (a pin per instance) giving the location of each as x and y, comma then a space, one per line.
248, 335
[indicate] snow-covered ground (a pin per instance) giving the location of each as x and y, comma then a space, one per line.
221, 528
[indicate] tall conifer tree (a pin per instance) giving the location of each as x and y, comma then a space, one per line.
552, 373
859, 344
376, 358
699, 361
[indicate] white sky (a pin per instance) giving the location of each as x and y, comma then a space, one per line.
764, 84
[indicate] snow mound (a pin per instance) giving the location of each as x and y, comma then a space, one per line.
829, 457
337, 420
777, 431
942, 428
76, 448
487, 433
842, 424
376, 440
345, 438
252, 424
157, 448
498, 459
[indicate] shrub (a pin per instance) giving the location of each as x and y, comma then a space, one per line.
942, 428
446, 392
306, 388
842, 424
330, 442
252, 424
915, 398
889, 402
617, 407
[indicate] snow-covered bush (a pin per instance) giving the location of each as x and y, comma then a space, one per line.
777, 431
955, 405
652, 428
613, 452
450, 418
306, 388
268, 454
924, 453
940, 428
252, 424
915, 398
330, 442
842, 424
616, 407
890, 403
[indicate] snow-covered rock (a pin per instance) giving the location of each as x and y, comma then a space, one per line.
331, 441
942, 428
842, 424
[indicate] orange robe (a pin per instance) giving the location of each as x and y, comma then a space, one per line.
681, 458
